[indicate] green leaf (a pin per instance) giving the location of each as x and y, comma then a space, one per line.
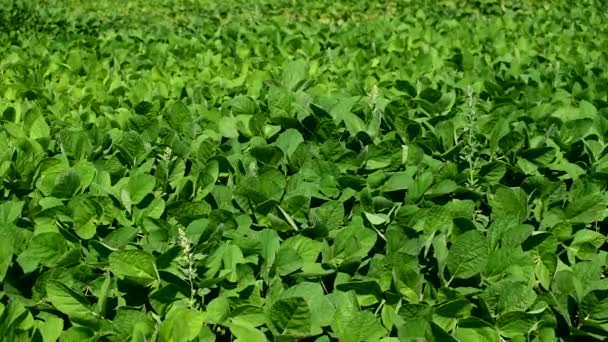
341, 112
508, 233
352, 325
330, 214
510, 203
418, 329
516, 297
280, 102
45, 249
419, 186
362, 288
103, 295
414, 330
6, 257
246, 333
86, 212
181, 325
66, 184
127, 321
17, 237
135, 265
586, 242
40, 129
473, 329
77, 334
10, 211
120, 237
508, 296
321, 309
398, 181
376, 219
354, 242
248, 315
178, 116
228, 127
294, 73
14, 319
291, 316
139, 186
289, 141
510, 262
69, 301
468, 255
257, 190
267, 154
49, 326
217, 310
595, 305
515, 323
243, 105
288, 261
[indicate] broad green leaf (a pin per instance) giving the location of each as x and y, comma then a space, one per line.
40, 129
419, 186
49, 326
267, 154
595, 305
468, 255
585, 243
217, 310
398, 181
181, 325
544, 268
14, 318
45, 249
86, 212
6, 257
86, 173
66, 184
415, 330
289, 141
281, 102
127, 321
291, 316
351, 325
10, 211
511, 263
294, 73
354, 242
508, 296
510, 203
330, 214
243, 105
135, 265
516, 323
179, 116
376, 219
69, 301
139, 186
246, 333
475, 330
228, 127
516, 296
248, 315
341, 112
77, 334
321, 309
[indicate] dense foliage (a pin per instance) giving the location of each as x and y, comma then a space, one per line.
357, 170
